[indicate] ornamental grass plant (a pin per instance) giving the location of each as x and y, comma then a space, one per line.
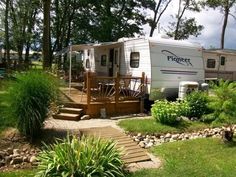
29, 98
87, 157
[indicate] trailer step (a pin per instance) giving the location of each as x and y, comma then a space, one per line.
71, 110
66, 116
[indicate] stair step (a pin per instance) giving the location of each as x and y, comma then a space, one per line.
71, 104
66, 116
71, 110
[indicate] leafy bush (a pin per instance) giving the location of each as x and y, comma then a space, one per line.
86, 157
198, 104
184, 108
166, 112
223, 102
30, 97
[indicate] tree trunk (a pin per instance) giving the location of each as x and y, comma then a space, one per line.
180, 15
154, 24
27, 55
226, 15
46, 34
7, 43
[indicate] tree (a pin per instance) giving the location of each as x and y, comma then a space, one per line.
184, 27
47, 62
157, 8
23, 18
225, 6
109, 20
63, 18
7, 43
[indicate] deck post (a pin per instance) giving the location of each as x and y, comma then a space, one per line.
117, 81
142, 90
88, 79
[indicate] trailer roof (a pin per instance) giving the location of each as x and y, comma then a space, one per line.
164, 40
221, 51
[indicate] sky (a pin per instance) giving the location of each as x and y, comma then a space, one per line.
212, 21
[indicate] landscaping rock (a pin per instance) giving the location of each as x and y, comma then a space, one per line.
16, 152
168, 135
2, 154
2, 163
146, 141
16, 160
9, 151
33, 159
8, 159
141, 144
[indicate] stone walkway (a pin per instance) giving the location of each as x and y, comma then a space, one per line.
101, 127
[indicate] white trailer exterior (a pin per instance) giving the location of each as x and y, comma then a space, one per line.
220, 64
165, 62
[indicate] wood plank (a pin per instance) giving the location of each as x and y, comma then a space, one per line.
137, 159
131, 151
135, 151
127, 144
125, 141
134, 155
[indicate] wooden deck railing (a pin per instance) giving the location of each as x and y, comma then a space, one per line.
118, 89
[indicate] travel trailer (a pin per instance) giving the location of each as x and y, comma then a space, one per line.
165, 62
220, 64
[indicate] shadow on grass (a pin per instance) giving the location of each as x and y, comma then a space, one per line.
182, 125
230, 144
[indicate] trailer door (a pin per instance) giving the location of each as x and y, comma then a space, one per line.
116, 63
222, 61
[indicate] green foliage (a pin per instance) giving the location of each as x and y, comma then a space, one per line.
156, 94
86, 157
183, 27
198, 104
29, 98
223, 102
166, 112
187, 27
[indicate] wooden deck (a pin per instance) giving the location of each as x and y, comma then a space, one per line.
79, 99
132, 152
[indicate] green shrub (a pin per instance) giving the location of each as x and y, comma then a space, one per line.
184, 108
223, 102
198, 104
29, 98
166, 112
86, 157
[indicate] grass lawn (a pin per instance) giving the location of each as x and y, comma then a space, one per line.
6, 121
18, 173
151, 126
196, 158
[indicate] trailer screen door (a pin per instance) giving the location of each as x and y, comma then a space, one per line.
116, 63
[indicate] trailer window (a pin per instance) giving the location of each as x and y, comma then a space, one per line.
87, 64
222, 60
211, 63
134, 59
103, 60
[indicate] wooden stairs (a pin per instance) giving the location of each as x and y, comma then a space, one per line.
69, 112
